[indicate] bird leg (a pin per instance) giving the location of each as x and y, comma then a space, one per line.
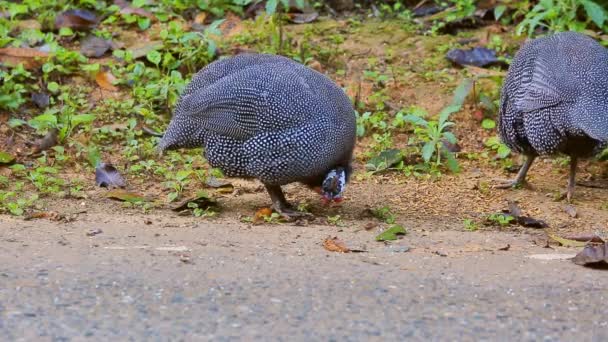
571, 178
280, 205
521, 175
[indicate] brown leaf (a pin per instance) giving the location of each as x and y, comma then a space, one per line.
138, 11
96, 47
586, 238
221, 185
570, 210
126, 8
51, 215
202, 201
48, 141
105, 79
525, 221
335, 245
593, 255
141, 48
505, 248
303, 18
77, 19
125, 196
106, 175
370, 225
200, 18
231, 26
262, 214
31, 58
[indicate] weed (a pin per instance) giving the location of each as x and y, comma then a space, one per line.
335, 220
385, 214
470, 225
562, 15
501, 219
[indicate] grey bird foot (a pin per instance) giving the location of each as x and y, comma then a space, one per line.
292, 215
567, 195
508, 184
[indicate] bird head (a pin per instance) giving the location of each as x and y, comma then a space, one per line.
333, 185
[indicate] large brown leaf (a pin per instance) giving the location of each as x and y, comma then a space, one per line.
77, 19
31, 58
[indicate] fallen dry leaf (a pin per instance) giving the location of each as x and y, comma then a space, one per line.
106, 175
262, 214
303, 18
141, 48
126, 8
567, 242
570, 210
105, 79
51, 215
525, 221
76, 19
93, 46
221, 186
125, 196
46, 142
200, 18
42, 100
593, 255
505, 248
586, 238
30, 58
202, 200
335, 245
231, 26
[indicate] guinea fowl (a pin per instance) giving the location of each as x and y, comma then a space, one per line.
271, 118
555, 100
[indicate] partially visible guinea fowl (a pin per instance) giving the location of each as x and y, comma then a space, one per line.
555, 100
270, 118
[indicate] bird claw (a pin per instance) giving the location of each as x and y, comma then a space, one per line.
507, 184
293, 215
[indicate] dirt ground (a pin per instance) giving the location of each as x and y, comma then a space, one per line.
474, 283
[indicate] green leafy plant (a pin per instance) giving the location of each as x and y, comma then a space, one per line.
385, 214
563, 15
494, 144
470, 225
501, 219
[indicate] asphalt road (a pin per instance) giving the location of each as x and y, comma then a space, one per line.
155, 279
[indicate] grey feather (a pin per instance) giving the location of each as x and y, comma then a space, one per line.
266, 117
555, 97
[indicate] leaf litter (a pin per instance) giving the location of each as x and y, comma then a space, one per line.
105, 80
30, 58
593, 255
525, 221
106, 175
125, 196
202, 200
78, 19
333, 244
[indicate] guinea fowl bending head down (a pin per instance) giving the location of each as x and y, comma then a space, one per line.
555, 100
270, 118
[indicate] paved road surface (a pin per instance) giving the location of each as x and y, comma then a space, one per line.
188, 279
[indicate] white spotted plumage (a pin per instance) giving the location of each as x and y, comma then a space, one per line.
266, 117
555, 97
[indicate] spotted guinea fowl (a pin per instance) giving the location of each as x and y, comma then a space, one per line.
271, 118
555, 100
